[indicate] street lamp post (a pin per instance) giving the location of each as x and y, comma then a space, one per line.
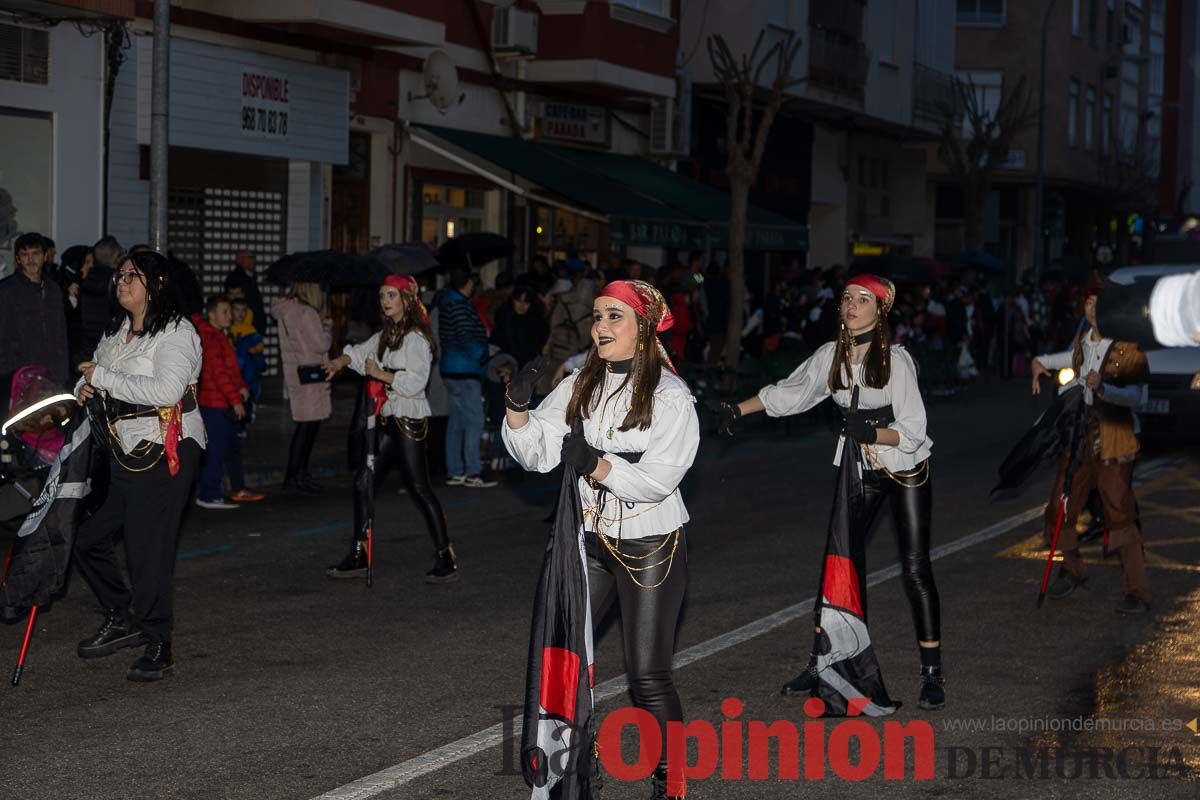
1039, 256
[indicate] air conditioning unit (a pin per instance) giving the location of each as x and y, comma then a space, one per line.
514, 31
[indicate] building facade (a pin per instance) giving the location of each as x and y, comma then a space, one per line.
1104, 87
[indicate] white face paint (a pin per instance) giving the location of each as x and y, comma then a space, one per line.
860, 309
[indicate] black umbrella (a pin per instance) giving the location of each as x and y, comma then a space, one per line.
328, 268
474, 249
410, 258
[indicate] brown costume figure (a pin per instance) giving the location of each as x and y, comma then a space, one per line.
1111, 374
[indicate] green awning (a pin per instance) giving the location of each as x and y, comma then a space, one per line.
645, 203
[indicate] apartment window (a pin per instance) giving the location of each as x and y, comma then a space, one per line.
1110, 24
988, 92
883, 175
874, 162
1072, 111
24, 54
1075, 9
658, 7
1089, 114
1106, 123
884, 42
1093, 13
981, 12
862, 171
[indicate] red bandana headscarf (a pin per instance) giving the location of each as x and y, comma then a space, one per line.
883, 289
649, 304
407, 286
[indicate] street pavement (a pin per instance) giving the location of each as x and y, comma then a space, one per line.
291, 685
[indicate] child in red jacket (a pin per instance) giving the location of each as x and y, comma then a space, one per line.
222, 396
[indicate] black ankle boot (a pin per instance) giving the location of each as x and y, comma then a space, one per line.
1065, 584
658, 787
115, 633
354, 565
933, 692
154, 665
445, 567
802, 684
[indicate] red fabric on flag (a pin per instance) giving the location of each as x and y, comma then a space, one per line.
841, 587
560, 682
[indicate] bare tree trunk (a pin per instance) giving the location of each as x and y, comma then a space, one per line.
739, 201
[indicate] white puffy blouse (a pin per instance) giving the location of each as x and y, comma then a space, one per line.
644, 495
410, 363
809, 385
153, 371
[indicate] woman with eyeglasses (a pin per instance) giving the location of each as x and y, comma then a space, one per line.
144, 378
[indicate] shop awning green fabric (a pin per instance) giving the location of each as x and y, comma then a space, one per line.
646, 204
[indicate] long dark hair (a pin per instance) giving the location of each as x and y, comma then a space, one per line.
162, 298
392, 334
877, 366
644, 375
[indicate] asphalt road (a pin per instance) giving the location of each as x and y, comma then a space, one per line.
290, 685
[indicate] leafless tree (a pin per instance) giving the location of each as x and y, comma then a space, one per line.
975, 141
751, 108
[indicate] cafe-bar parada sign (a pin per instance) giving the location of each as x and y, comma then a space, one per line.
572, 122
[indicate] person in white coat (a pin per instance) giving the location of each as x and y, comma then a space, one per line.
890, 423
397, 362
639, 438
144, 375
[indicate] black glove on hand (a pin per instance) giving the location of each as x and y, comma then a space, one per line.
579, 454
730, 414
520, 388
860, 430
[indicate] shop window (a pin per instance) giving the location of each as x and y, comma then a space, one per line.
562, 234
449, 211
26, 179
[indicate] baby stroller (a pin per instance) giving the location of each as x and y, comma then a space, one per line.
31, 437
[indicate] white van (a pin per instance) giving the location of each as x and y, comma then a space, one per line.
1170, 408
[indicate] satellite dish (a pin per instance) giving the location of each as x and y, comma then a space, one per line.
441, 82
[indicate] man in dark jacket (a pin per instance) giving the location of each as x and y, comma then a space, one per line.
464, 346
242, 277
33, 326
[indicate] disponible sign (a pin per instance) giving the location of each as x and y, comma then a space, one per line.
265, 106
570, 122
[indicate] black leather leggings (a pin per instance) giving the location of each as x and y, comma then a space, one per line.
304, 436
911, 511
395, 448
648, 616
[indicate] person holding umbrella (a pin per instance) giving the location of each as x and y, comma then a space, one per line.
396, 362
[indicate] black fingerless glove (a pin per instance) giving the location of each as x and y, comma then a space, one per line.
579, 454
520, 388
729, 415
860, 430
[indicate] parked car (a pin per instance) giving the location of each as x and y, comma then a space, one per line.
1170, 407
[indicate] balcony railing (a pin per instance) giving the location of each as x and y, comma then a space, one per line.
934, 94
836, 63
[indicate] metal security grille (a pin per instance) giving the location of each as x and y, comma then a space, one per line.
206, 228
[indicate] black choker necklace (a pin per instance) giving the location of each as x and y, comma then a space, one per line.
620, 367
863, 338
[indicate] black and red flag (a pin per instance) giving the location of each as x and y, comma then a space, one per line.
850, 681
557, 734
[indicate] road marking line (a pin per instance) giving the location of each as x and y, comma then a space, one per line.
407, 771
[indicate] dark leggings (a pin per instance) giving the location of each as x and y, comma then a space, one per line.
304, 436
648, 616
911, 512
394, 447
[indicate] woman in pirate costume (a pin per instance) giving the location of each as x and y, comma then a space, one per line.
874, 384
626, 423
396, 362
144, 378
